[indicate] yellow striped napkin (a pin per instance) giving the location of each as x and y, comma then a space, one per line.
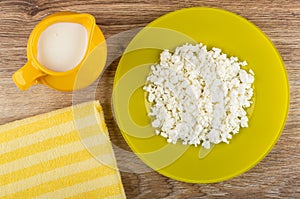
62, 154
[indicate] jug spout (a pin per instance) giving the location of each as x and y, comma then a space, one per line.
87, 20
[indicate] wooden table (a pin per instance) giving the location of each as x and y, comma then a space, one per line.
278, 175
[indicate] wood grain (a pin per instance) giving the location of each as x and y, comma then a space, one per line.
277, 176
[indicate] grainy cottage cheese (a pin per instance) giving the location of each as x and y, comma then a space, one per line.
198, 96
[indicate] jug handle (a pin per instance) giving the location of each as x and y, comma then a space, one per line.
27, 76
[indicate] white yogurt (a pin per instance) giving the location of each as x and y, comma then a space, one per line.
62, 46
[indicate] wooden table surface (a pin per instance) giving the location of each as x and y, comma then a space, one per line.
277, 176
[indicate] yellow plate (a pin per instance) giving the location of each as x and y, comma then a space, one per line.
236, 37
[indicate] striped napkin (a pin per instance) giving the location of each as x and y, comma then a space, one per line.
62, 154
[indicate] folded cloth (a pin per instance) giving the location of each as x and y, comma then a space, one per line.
62, 154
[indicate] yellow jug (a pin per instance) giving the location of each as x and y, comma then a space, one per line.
34, 72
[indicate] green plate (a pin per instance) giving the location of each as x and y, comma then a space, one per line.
236, 37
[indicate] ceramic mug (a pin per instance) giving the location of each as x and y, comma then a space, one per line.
33, 72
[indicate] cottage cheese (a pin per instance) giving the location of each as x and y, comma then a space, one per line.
198, 96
